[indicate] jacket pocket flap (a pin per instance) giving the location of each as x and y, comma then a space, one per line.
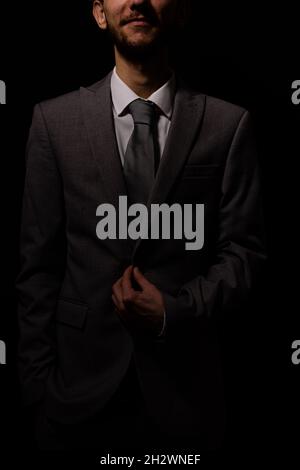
71, 313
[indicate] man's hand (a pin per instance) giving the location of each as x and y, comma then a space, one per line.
142, 310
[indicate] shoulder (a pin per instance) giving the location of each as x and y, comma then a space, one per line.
68, 105
220, 110
61, 104
221, 120
217, 110
224, 118
223, 109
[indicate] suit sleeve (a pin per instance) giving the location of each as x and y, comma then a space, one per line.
42, 257
240, 249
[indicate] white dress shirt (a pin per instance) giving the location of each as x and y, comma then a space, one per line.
122, 96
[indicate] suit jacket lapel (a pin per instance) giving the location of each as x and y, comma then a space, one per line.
186, 120
98, 116
99, 121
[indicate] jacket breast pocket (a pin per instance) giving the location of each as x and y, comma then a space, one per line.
72, 313
198, 183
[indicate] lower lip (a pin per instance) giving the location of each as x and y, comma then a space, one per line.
139, 23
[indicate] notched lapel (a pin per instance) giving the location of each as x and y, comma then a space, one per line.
186, 123
187, 117
98, 117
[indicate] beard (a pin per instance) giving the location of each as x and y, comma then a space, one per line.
141, 51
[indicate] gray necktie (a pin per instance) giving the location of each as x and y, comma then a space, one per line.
141, 156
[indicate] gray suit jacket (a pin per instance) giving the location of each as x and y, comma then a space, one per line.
74, 350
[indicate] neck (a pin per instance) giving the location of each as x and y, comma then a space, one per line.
146, 77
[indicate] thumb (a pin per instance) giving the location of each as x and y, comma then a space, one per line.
140, 278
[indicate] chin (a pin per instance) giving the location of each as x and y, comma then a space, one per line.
141, 37
140, 43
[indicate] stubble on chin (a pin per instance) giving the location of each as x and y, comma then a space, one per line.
137, 48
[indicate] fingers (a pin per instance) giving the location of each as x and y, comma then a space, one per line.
127, 289
140, 279
124, 295
122, 291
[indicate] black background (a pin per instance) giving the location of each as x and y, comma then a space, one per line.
246, 56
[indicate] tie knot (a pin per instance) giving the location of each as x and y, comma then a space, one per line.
143, 112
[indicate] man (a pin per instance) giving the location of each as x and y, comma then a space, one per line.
118, 334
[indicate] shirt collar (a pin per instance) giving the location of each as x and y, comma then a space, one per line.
122, 95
